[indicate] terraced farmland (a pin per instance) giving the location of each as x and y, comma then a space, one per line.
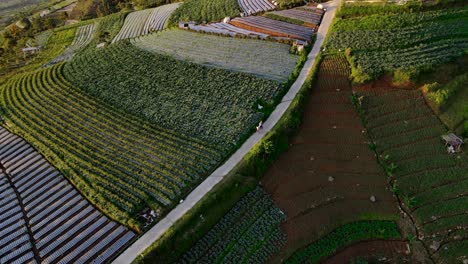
143, 22
43, 219
265, 59
273, 27
251, 7
410, 42
122, 165
211, 104
431, 183
83, 37
328, 175
249, 233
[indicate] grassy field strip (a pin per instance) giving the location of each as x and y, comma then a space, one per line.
143, 22
198, 193
266, 59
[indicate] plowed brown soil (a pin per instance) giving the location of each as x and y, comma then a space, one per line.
379, 251
328, 175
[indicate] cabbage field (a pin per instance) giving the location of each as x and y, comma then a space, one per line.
249, 233
411, 42
214, 105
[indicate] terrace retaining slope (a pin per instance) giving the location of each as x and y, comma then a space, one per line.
217, 176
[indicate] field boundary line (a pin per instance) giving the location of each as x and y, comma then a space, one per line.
152, 235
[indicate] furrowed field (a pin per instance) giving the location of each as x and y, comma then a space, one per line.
263, 58
403, 43
121, 164
430, 183
214, 105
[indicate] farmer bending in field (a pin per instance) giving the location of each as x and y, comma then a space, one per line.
450, 149
260, 126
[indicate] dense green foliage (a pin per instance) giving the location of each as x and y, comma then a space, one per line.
120, 164
441, 96
249, 232
430, 182
344, 236
411, 41
212, 104
205, 11
266, 59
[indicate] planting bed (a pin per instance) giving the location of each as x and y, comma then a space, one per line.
249, 233
43, 219
143, 22
273, 27
266, 59
251, 7
392, 250
308, 18
120, 164
431, 183
328, 174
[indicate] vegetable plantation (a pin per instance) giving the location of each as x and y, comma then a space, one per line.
120, 164
430, 182
145, 21
214, 105
205, 11
410, 42
344, 236
263, 58
249, 233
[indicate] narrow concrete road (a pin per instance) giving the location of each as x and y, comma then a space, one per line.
198, 193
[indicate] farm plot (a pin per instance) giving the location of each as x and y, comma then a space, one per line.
204, 11
43, 219
83, 37
122, 165
265, 59
328, 175
431, 183
211, 104
409, 42
251, 7
249, 233
273, 27
306, 18
227, 30
143, 22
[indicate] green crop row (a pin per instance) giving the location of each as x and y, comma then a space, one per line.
440, 96
344, 236
214, 105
